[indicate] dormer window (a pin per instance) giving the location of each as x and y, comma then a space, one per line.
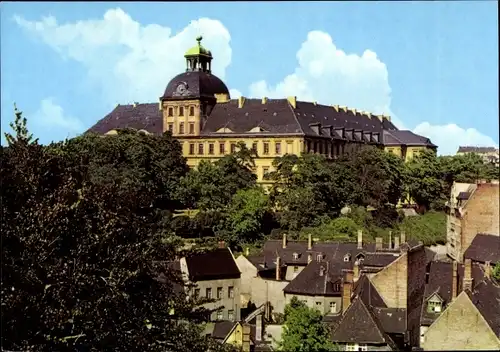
435, 304
319, 257
295, 256
347, 257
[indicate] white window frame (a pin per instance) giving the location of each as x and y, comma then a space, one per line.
333, 307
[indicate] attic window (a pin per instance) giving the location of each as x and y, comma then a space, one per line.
319, 257
347, 257
246, 114
295, 256
434, 307
275, 114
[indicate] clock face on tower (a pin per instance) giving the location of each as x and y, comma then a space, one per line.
182, 89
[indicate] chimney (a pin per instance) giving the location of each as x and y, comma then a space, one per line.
396, 242
264, 100
403, 237
347, 290
378, 243
321, 271
222, 244
247, 252
309, 242
343, 108
487, 269
336, 107
246, 338
360, 239
278, 268
241, 101
284, 240
454, 283
315, 103
356, 271
258, 328
309, 258
293, 101
390, 239
160, 106
467, 282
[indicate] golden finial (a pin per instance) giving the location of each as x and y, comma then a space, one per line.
199, 39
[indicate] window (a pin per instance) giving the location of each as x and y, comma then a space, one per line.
319, 305
196, 292
230, 292
170, 111
254, 146
222, 148
295, 269
347, 257
219, 315
295, 256
200, 148
230, 314
181, 111
265, 170
278, 148
391, 151
319, 257
266, 148
434, 307
191, 128
208, 292
211, 148
233, 148
356, 347
191, 148
333, 307
219, 292
181, 128
289, 148
191, 111
171, 127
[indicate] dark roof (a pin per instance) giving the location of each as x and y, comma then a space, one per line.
380, 259
486, 297
466, 149
408, 138
393, 320
484, 248
365, 290
310, 282
222, 328
198, 84
212, 265
359, 325
463, 196
140, 116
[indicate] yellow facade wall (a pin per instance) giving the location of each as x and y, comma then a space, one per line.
236, 336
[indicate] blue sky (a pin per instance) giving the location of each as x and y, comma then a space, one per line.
433, 66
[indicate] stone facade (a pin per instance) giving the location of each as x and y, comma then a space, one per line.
392, 282
227, 294
326, 305
460, 327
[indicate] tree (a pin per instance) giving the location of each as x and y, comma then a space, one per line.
304, 330
83, 268
496, 272
245, 215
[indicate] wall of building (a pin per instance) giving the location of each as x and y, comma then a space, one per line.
344, 347
481, 214
460, 327
228, 303
292, 271
392, 282
417, 265
323, 307
265, 290
248, 272
236, 337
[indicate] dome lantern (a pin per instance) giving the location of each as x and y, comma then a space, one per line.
198, 58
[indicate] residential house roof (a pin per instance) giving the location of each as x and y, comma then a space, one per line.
393, 320
486, 298
212, 265
484, 248
408, 138
360, 325
222, 329
318, 278
470, 149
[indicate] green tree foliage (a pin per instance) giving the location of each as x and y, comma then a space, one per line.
245, 216
212, 185
339, 229
430, 228
83, 260
304, 330
496, 272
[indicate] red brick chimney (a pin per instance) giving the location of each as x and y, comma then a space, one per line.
347, 290
222, 244
454, 287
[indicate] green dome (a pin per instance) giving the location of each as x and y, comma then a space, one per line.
198, 49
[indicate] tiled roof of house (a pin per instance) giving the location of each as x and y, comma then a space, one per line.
484, 248
222, 329
318, 278
379, 259
393, 320
486, 297
274, 117
467, 149
198, 84
212, 265
360, 325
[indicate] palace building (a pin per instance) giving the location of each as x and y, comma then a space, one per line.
197, 109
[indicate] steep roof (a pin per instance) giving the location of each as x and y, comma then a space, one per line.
359, 325
484, 248
365, 290
222, 329
398, 137
393, 320
486, 298
310, 282
212, 265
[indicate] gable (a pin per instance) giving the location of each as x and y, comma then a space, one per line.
392, 282
461, 326
435, 298
224, 130
257, 129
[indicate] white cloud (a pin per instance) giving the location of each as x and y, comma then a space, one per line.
51, 117
234, 93
130, 61
449, 137
328, 75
